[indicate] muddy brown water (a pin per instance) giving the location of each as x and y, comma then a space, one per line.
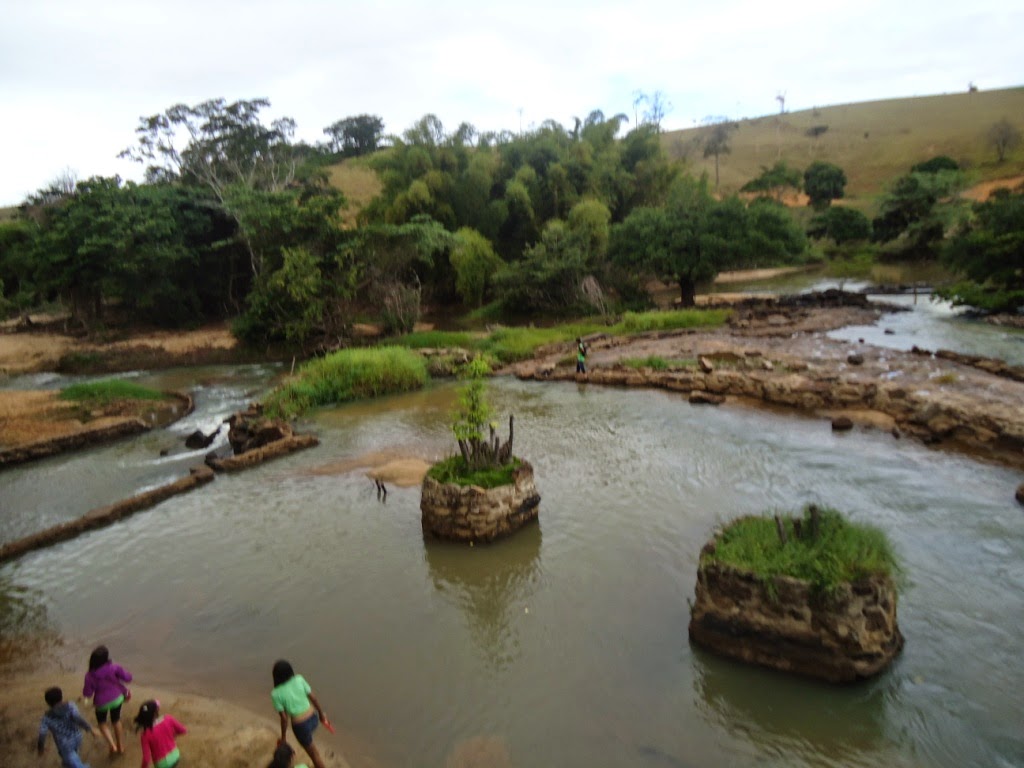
565, 645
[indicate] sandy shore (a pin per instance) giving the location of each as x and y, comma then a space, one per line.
220, 733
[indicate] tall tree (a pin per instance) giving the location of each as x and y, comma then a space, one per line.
716, 143
225, 147
685, 242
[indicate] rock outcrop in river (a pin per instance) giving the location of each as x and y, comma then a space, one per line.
850, 635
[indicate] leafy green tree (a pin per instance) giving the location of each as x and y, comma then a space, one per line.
355, 136
395, 262
548, 278
917, 210
773, 235
823, 183
17, 286
114, 241
840, 224
775, 181
989, 252
686, 242
226, 148
475, 262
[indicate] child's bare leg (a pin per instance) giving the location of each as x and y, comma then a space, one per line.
314, 755
119, 736
108, 736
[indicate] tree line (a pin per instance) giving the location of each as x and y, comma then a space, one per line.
235, 219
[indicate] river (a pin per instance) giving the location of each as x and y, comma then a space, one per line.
565, 644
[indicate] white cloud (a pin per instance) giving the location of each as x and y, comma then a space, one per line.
75, 77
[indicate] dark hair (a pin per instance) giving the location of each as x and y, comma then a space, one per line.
147, 714
283, 672
53, 696
282, 756
99, 657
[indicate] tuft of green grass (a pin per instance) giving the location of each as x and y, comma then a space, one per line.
351, 374
509, 345
455, 470
656, 363
108, 391
841, 552
669, 320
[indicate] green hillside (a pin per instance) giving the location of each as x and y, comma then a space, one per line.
874, 142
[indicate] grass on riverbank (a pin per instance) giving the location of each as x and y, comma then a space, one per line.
510, 345
351, 374
454, 470
109, 391
841, 551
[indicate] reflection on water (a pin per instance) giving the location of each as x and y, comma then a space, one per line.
488, 583
850, 723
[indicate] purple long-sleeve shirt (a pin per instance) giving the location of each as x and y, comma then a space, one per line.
105, 683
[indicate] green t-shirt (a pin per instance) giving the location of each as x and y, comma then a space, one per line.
292, 696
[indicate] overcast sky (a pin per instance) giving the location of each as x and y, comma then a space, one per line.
76, 75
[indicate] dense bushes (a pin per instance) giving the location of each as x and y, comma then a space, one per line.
350, 374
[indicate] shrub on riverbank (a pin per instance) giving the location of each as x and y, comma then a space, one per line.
670, 320
109, 391
821, 547
351, 374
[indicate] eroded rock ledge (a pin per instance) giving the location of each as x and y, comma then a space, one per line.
470, 513
845, 637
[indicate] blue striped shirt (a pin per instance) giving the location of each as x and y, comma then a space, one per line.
63, 721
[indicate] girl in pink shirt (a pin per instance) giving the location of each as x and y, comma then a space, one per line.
158, 732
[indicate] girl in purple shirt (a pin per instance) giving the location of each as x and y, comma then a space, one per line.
105, 683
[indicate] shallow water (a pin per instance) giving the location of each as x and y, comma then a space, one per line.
566, 644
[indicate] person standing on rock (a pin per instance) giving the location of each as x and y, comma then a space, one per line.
581, 356
105, 685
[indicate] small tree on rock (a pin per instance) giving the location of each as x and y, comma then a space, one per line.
472, 416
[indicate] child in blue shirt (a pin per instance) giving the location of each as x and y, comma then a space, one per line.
65, 723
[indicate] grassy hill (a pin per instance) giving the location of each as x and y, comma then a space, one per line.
873, 142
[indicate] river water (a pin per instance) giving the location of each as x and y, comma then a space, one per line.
563, 645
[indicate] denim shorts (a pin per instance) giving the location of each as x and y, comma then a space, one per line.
304, 731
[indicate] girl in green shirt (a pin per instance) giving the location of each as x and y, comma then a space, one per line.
293, 699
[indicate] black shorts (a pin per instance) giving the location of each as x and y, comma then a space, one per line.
114, 712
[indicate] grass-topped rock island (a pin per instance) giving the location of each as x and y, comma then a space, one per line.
812, 594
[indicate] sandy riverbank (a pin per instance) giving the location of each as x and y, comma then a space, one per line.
221, 734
